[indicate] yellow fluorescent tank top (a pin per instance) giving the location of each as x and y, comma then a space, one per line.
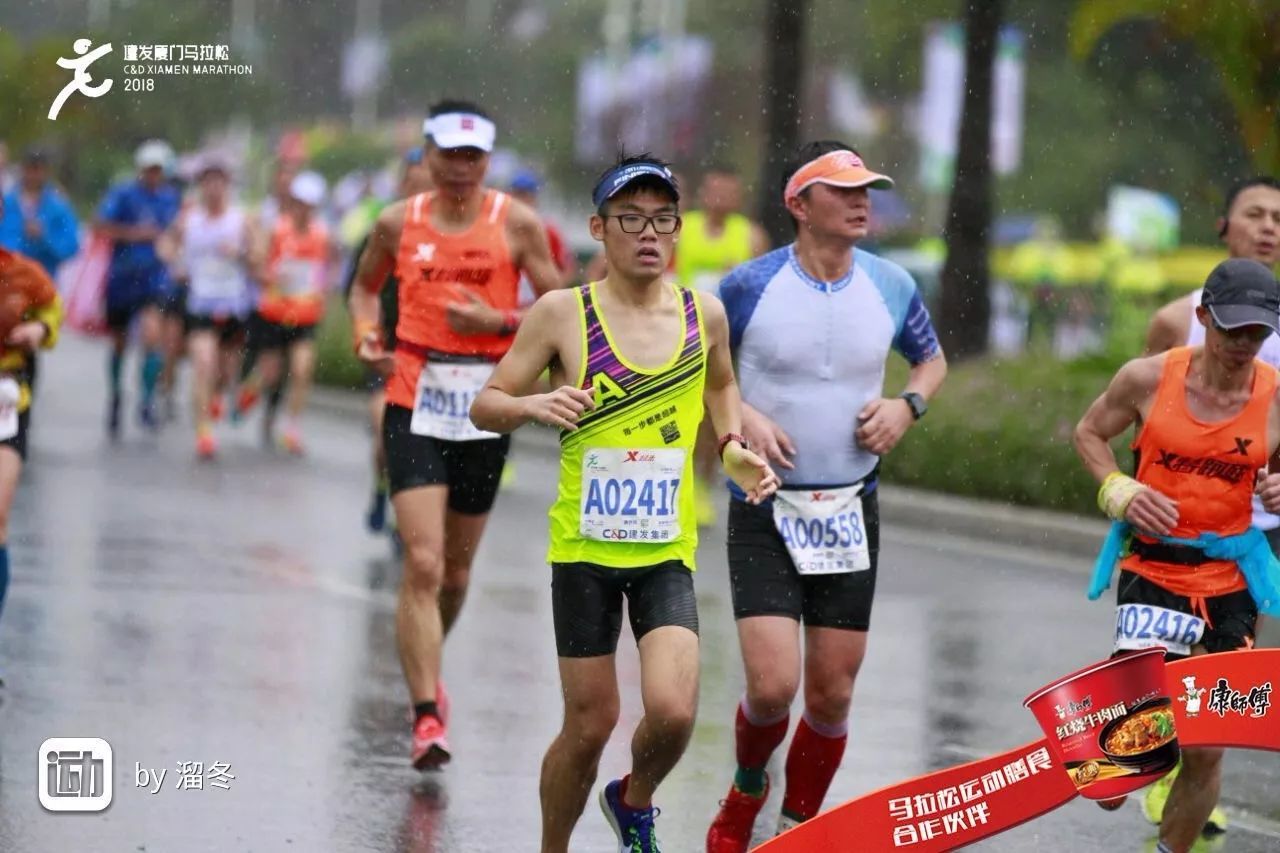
702, 260
626, 473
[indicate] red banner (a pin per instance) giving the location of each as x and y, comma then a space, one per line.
1217, 700
1225, 700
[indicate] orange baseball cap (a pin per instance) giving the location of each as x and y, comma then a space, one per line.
836, 169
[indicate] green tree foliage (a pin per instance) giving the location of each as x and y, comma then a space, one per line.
1240, 38
1151, 108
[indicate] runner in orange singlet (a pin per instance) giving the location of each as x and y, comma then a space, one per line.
458, 252
292, 304
1208, 420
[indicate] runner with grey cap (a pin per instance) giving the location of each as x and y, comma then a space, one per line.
1194, 571
458, 252
1249, 227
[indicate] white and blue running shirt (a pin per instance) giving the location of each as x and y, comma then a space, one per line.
811, 354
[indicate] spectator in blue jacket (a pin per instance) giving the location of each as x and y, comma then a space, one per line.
38, 221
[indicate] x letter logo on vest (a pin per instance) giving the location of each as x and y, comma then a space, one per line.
1242, 445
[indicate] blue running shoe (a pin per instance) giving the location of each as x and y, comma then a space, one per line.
147, 417
633, 826
377, 518
113, 417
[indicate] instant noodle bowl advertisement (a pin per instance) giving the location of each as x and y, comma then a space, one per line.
1111, 727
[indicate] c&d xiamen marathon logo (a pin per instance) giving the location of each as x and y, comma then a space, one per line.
143, 63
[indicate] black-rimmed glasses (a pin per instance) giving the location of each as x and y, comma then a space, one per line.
635, 223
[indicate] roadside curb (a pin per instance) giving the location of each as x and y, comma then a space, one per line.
1034, 529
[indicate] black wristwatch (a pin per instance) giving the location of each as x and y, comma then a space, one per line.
916, 402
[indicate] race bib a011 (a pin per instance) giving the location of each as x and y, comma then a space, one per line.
442, 406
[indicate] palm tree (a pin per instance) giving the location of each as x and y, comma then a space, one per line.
1241, 38
966, 303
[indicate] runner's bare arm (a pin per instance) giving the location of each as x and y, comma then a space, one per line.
724, 405
1113, 412
883, 422
375, 264
1268, 486
40, 323
1169, 327
770, 440
1123, 403
249, 257
532, 250
169, 246
505, 403
926, 377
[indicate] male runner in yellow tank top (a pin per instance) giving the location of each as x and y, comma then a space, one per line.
714, 239
633, 360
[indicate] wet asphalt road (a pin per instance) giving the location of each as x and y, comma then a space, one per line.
239, 613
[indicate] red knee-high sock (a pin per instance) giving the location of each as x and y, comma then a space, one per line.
756, 741
812, 762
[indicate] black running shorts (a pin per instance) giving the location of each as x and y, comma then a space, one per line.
586, 604
265, 335
764, 581
1147, 615
18, 441
230, 330
471, 469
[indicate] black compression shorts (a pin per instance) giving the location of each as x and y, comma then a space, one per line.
586, 603
764, 580
471, 469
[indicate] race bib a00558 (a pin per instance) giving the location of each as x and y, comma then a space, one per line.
823, 529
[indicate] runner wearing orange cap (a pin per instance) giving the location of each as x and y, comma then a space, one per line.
458, 252
811, 554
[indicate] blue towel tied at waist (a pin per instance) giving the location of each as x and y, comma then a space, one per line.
1249, 550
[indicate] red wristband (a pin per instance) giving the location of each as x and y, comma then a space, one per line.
724, 442
511, 321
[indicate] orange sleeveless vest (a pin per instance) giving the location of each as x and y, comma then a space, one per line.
296, 265
1210, 469
436, 269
